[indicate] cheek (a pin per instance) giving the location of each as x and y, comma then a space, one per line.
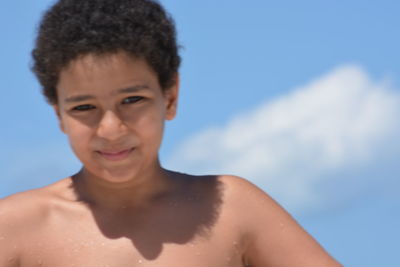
147, 121
151, 128
78, 136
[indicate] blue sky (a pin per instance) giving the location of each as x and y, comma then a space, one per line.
300, 97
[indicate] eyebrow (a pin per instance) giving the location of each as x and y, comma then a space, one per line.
131, 89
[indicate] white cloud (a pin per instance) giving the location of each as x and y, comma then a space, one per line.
298, 147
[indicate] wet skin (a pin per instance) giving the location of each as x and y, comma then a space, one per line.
123, 208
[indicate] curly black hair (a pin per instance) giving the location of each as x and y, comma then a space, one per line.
73, 28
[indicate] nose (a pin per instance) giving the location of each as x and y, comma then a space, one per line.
111, 127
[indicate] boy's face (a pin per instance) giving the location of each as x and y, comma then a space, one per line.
113, 110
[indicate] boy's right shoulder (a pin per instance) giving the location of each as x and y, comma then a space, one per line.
19, 215
27, 208
22, 207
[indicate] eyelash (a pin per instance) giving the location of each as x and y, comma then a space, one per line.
132, 99
126, 101
83, 107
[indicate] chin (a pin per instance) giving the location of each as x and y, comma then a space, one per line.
116, 175
119, 176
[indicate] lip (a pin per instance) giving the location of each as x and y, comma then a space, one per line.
115, 155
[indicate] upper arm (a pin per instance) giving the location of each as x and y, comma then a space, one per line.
20, 215
9, 254
272, 236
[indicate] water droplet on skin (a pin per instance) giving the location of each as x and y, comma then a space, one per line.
140, 261
11, 260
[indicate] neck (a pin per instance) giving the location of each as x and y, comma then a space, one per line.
141, 190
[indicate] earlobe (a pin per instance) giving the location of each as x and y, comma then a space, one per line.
171, 96
60, 123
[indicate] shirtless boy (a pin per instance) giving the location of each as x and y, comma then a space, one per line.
110, 70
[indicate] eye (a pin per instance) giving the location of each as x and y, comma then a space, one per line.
83, 107
132, 99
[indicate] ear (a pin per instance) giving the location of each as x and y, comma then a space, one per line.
60, 123
171, 99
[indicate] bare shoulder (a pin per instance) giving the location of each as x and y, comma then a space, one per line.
251, 205
238, 185
20, 215
256, 210
33, 204
241, 193
22, 209
273, 237
15, 208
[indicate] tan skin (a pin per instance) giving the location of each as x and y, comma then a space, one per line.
123, 208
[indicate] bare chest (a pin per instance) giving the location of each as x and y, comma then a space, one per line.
213, 251
169, 241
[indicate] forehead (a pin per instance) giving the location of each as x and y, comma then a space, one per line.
92, 65
95, 73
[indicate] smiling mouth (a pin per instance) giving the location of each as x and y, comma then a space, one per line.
115, 155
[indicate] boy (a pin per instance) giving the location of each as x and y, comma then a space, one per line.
110, 70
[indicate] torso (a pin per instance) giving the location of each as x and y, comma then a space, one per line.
195, 228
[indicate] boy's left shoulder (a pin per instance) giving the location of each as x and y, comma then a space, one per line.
242, 192
249, 207
271, 236
233, 182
